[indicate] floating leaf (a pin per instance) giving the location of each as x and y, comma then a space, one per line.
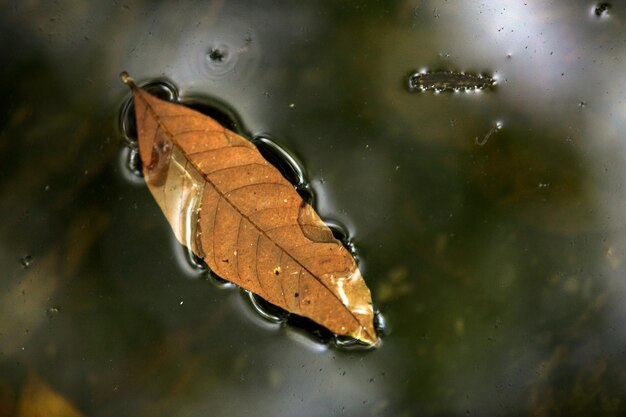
236, 211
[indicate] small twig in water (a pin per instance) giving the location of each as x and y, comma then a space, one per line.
481, 142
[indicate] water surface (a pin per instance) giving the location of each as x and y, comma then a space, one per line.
498, 264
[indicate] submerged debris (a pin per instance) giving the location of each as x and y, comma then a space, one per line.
449, 81
602, 9
483, 141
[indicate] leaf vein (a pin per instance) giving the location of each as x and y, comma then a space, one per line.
280, 281
237, 248
257, 184
187, 132
217, 206
235, 167
209, 151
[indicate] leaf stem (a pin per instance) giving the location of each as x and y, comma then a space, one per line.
127, 79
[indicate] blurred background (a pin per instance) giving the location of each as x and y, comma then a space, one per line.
490, 225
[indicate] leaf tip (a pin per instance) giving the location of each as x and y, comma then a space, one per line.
370, 339
127, 79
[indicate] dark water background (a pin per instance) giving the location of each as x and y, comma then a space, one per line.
500, 268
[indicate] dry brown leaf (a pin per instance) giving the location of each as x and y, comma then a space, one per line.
235, 210
38, 399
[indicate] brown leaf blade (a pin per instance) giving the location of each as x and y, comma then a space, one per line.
235, 210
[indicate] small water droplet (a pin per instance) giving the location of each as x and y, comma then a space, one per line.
26, 261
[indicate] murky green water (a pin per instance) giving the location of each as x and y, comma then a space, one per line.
490, 225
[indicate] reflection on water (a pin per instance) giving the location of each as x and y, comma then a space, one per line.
497, 263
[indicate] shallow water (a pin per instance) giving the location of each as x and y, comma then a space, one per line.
489, 225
